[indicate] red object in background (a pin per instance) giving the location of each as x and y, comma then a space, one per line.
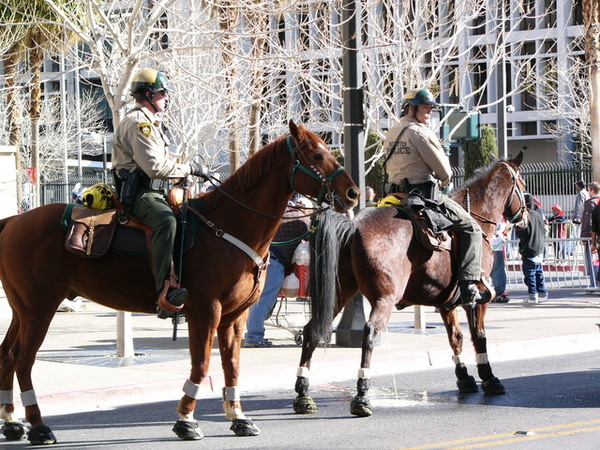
302, 274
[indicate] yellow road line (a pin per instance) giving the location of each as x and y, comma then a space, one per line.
503, 438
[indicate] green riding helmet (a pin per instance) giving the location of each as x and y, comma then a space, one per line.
418, 97
150, 80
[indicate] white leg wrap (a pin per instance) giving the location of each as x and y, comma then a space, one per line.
232, 413
192, 390
456, 359
5, 415
28, 398
231, 393
481, 358
364, 373
302, 372
6, 397
187, 417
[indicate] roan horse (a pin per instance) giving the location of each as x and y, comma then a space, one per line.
223, 279
377, 255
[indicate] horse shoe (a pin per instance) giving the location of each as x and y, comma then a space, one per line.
244, 427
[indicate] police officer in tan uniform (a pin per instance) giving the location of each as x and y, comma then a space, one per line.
418, 161
143, 166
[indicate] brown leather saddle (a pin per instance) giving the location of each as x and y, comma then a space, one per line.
425, 232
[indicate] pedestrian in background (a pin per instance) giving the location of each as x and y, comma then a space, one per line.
370, 197
558, 230
295, 224
587, 231
581, 197
531, 248
498, 273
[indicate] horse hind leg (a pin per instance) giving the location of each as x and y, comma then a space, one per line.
12, 428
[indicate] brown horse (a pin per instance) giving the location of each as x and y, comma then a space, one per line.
223, 279
377, 255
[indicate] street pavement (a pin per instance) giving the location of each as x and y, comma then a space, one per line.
77, 368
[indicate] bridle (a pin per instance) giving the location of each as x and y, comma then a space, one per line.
518, 216
515, 188
326, 192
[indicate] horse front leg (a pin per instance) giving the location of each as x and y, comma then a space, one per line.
304, 403
490, 384
202, 328
230, 341
380, 315
466, 383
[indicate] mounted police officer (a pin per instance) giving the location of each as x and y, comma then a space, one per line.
143, 166
416, 160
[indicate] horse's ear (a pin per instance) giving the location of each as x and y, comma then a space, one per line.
294, 130
517, 160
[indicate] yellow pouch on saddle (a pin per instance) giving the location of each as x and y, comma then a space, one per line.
390, 200
90, 231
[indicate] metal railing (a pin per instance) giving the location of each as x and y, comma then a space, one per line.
564, 264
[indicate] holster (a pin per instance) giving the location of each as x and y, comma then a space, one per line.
127, 185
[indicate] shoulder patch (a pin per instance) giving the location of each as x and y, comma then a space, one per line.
145, 128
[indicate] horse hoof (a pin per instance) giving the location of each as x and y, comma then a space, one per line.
244, 427
188, 431
493, 386
305, 405
14, 431
467, 385
361, 407
41, 435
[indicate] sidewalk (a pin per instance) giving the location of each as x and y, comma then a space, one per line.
77, 370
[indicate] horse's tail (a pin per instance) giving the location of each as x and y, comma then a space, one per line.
333, 233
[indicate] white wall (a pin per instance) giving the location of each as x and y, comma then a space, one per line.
8, 182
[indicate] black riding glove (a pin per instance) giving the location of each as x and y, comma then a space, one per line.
199, 170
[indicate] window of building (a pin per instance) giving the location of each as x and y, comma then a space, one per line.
549, 126
529, 128
549, 13
478, 25
527, 12
577, 13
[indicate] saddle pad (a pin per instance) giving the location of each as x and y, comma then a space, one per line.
128, 239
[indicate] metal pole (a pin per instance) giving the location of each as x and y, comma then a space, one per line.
350, 329
501, 87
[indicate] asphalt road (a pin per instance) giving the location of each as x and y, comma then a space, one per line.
551, 403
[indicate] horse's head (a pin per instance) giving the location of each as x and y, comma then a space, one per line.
317, 173
515, 210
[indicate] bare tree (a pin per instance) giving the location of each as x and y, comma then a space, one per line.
244, 68
591, 14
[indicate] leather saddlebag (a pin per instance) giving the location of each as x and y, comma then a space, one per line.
91, 231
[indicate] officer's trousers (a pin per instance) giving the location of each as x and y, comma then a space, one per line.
153, 210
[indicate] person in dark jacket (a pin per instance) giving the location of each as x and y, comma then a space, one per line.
531, 248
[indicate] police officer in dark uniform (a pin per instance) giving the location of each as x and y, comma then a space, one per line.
143, 166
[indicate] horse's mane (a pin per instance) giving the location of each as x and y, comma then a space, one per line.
250, 173
481, 177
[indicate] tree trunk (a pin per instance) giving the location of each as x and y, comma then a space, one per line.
11, 63
591, 17
36, 61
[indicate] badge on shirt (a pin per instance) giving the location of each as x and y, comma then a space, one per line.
145, 128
